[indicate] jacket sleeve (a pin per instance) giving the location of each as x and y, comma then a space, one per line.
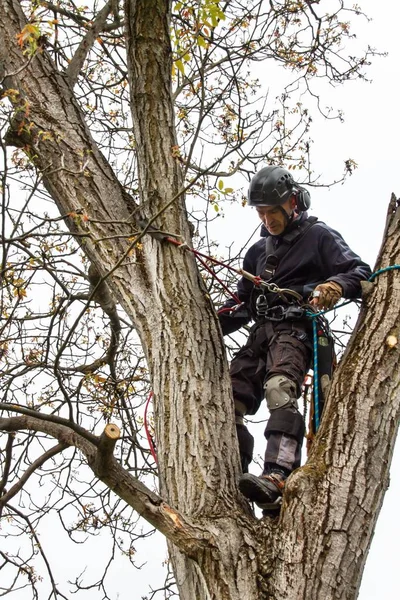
231, 321
342, 264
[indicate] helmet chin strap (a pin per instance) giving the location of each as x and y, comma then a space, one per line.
288, 218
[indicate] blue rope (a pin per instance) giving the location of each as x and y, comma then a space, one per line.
315, 369
390, 268
314, 316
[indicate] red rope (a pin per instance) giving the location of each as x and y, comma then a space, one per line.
200, 256
227, 309
206, 256
213, 273
146, 428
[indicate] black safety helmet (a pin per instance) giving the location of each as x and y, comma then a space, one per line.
272, 186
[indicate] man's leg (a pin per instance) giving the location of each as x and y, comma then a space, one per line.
285, 428
288, 361
247, 375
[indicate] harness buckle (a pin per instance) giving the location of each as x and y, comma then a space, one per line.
274, 313
293, 313
270, 267
261, 305
278, 313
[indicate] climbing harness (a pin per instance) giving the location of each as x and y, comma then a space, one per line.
280, 313
274, 254
323, 343
255, 279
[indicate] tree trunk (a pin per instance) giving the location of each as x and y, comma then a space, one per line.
333, 502
193, 407
159, 286
319, 546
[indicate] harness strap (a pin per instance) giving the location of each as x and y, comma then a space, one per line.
275, 254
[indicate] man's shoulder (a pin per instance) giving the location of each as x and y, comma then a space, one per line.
324, 229
254, 248
307, 227
318, 227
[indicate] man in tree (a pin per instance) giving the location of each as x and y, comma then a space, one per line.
307, 262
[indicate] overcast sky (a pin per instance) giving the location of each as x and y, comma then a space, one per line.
357, 209
370, 135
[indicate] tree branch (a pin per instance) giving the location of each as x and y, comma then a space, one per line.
34, 535
81, 19
108, 439
87, 42
29, 471
149, 505
103, 296
93, 439
7, 462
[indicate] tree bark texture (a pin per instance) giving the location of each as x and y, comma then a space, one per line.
318, 547
333, 502
194, 417
158, 286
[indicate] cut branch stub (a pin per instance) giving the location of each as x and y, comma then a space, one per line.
107, 442
109, 438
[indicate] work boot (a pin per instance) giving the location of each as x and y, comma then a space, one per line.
266, 490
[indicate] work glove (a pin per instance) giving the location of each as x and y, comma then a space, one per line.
326, 295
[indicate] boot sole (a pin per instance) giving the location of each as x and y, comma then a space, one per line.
264, 493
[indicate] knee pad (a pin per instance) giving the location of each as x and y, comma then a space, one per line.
280, 392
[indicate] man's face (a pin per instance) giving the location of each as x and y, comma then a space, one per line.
273, 217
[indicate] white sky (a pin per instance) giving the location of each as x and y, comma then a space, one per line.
369, 135
357, 209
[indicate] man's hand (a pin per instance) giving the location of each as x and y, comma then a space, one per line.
326, 295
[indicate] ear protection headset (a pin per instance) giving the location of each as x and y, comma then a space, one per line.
303, 198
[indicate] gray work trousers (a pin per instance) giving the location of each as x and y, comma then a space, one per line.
273, 348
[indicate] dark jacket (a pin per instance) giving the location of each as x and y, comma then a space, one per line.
316, 255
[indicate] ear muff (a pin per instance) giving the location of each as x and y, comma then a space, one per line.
303, 199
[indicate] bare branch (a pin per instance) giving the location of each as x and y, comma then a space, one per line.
7, 462
87, 42
148, 504
5, 498
74, 427
34, 535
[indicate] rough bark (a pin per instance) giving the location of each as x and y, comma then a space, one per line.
193, 416
319, 546
333, 502
159, 286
